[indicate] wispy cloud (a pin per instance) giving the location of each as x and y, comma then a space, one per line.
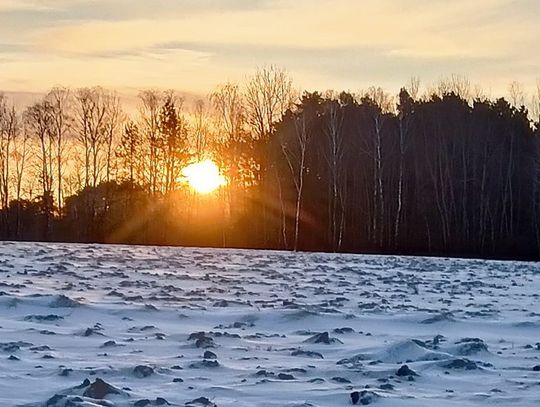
14, 5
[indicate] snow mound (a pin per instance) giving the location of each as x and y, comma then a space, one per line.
62, 301
88, 394
410, 350
467, 347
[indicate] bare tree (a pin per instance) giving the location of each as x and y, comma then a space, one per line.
149, 109
228, 103
91, 114
535, 105
112, 125
230, 147
334, 152
62, 122
535, 113
383, 105
21, 153
413, 87
478, 93
9, 129
405, 115
295, 153
517, 94
39, 119
269, 93
129, 152
200, 130
457, 84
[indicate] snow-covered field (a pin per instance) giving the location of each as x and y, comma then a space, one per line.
91, 325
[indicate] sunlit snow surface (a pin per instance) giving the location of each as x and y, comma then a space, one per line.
75, 312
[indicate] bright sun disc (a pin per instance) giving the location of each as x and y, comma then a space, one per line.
204, 176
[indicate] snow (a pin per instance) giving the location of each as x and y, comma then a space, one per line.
285, 329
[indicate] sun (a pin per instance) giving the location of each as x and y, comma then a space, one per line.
204, 176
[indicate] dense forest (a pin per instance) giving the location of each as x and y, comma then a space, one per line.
445, 171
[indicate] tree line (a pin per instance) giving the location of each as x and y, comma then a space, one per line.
450, 171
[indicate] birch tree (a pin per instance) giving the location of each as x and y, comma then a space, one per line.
334, 155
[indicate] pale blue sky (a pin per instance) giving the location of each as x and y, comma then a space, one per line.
192, 45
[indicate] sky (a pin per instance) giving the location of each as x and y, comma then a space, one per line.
193, 45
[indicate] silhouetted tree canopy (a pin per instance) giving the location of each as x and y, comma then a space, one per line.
444, 174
